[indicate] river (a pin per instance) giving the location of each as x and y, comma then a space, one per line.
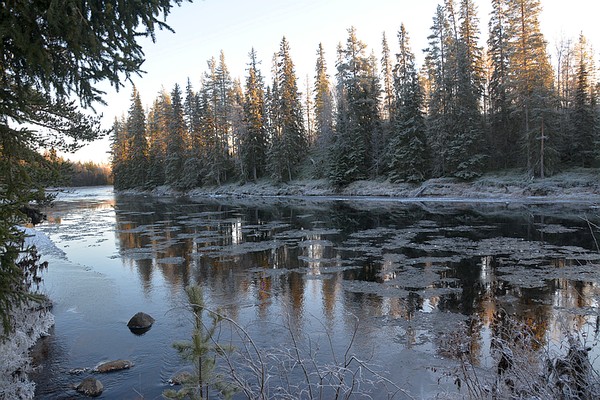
396, 284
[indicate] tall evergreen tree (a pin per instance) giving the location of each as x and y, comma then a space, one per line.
409, 151
466, 145
358, 113
583, 122
119, 148
289, 142
503, 137
254, 142
136, 129
217, 87
530, 86
176, 140
437, 67
324, 116
157, 130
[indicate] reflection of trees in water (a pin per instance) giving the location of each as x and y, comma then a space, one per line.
202, 242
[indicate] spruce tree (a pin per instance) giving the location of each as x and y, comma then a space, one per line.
530, 87
254, 141
289, 143
437, 67
358, 113
176, 140
583, 128
323, 101
136, 128
503, 137
408, 151
158, 137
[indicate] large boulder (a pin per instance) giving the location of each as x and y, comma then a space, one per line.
111, 366
140, 323
90, 387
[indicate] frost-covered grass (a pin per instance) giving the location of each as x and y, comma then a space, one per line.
575, 184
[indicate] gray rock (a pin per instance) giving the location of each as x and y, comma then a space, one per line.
111, 366
140, 322
90, 387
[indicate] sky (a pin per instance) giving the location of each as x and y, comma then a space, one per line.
205, 27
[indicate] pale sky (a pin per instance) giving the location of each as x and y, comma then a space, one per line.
205, 27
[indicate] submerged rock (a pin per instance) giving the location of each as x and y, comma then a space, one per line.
180, 378
90, 387
111, 366
140, 323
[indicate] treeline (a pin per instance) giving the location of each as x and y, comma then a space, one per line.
466, 111
63, 172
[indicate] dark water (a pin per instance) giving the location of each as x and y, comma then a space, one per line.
391, 279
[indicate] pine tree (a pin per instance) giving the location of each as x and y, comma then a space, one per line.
409, 152
254, 142
289, 143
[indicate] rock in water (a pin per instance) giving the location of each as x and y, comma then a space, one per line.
90, 387
111, 366
140, 323
180, 378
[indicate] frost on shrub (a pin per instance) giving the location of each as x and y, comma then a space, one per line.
522, 364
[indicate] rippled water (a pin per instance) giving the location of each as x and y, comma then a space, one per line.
409, 273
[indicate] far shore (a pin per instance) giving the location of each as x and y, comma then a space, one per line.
580, 185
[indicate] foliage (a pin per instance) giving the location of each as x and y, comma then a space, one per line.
523, 364
203, 351
290, 371
466, 111
51, 52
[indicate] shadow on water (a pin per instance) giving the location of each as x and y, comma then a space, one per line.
409, 272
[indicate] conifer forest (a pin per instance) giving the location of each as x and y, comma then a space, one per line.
467, 110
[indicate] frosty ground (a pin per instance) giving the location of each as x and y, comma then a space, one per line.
580, 185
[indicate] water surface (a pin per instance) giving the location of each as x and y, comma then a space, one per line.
392, 278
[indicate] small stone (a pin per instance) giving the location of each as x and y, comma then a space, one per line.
90, 387
140, 323
111, 366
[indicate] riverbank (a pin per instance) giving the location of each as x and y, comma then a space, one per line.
574, 185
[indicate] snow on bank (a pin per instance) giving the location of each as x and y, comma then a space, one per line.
31, 322
571, 186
